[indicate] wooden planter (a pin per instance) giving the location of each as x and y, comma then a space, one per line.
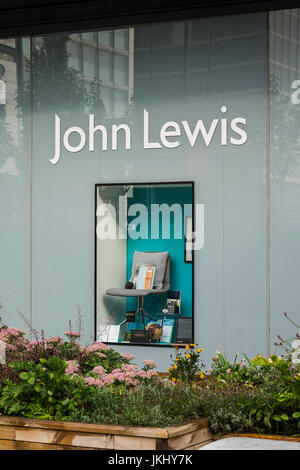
36, 434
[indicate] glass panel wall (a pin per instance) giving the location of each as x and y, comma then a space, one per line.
15, 191
284, 170
162, 103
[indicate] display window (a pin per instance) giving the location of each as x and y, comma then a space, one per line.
144, 283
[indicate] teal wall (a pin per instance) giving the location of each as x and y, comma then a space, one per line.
181, 272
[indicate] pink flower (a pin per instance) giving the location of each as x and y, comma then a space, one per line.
129, 369
109, 379
146, 374
13, 337
99, 370
72, 367
55, 339
228, 371
72, 334
11, 347
127, 356
96, 346
149, 362
99, 354
93, 381
142, 374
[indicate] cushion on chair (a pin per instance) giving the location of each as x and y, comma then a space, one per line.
158, 259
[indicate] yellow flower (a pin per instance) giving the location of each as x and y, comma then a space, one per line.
187, 347
175, 366
192, 345
199, 350
173, 379
188, 356
169, 368
178, 380
201, 374
177, 359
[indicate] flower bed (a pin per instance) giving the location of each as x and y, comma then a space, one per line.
61, 381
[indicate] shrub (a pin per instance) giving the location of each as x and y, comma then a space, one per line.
185, 365
44, 390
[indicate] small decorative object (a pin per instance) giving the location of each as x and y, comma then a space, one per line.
129, 285
130, 317
173, 302
155, 331
140, 336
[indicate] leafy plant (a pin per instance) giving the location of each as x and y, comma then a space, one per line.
44, 390
109, 359
185, 365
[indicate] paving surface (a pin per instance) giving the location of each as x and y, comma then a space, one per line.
249, 443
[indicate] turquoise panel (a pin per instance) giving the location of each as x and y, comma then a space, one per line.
181, 272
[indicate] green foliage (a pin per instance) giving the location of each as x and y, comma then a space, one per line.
44, 391
271, 393
236, 372
111, 360
280, 411
156, 403
223, 410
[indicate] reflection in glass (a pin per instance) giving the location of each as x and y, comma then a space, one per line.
284, 168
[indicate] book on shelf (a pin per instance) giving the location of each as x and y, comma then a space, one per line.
167, 333
145, 277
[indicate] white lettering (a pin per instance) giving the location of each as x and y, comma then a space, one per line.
223, 127
56, 157
81, 134
238, 131
115, 130
147, 144
92, 130
207, 135
171, 133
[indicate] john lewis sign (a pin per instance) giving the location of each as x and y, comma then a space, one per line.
172, 134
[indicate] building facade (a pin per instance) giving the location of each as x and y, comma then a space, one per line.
202, 113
